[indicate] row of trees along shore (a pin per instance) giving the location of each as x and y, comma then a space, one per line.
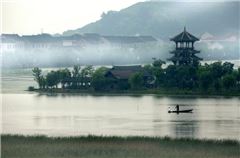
216, 77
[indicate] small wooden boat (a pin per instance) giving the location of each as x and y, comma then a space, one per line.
180, 111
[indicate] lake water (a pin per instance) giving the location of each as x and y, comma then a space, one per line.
122, 115
70, 115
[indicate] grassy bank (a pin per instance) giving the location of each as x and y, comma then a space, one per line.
142, 92
115, 147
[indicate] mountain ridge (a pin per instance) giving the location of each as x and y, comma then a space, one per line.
164, 19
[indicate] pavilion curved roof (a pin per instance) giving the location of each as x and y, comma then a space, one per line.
184, 37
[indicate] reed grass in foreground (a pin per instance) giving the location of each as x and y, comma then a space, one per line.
14, 146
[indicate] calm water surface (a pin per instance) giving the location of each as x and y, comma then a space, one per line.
72, 115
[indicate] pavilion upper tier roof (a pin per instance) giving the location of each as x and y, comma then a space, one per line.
184, 37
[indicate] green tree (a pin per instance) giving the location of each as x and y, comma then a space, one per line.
76, 71
216, 69
217, 84
99, 81
205, 80
37, 76
160, 76
170, 76
43, 82
227, 68
52, 79
238, 77
76, 76
136, 81
64, 76
228, 81
238, 74
86, 73
186, 77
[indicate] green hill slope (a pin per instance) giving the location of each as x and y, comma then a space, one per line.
164, 19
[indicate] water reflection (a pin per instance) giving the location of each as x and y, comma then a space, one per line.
185, 129
75, 114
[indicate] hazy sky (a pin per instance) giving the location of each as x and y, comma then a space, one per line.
56, 16
53, 16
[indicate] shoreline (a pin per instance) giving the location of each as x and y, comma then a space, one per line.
124, 138
137, 92
113, 146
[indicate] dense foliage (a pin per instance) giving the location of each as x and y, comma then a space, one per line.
215, 77
77, 78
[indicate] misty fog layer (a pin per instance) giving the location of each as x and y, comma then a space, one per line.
109, 54
103, 54
109, 41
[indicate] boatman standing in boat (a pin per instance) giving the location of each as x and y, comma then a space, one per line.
177, 107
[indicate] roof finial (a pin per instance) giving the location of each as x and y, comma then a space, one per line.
184, 28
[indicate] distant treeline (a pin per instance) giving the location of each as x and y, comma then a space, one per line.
216, 77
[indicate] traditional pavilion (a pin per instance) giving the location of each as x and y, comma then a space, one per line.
184, 54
